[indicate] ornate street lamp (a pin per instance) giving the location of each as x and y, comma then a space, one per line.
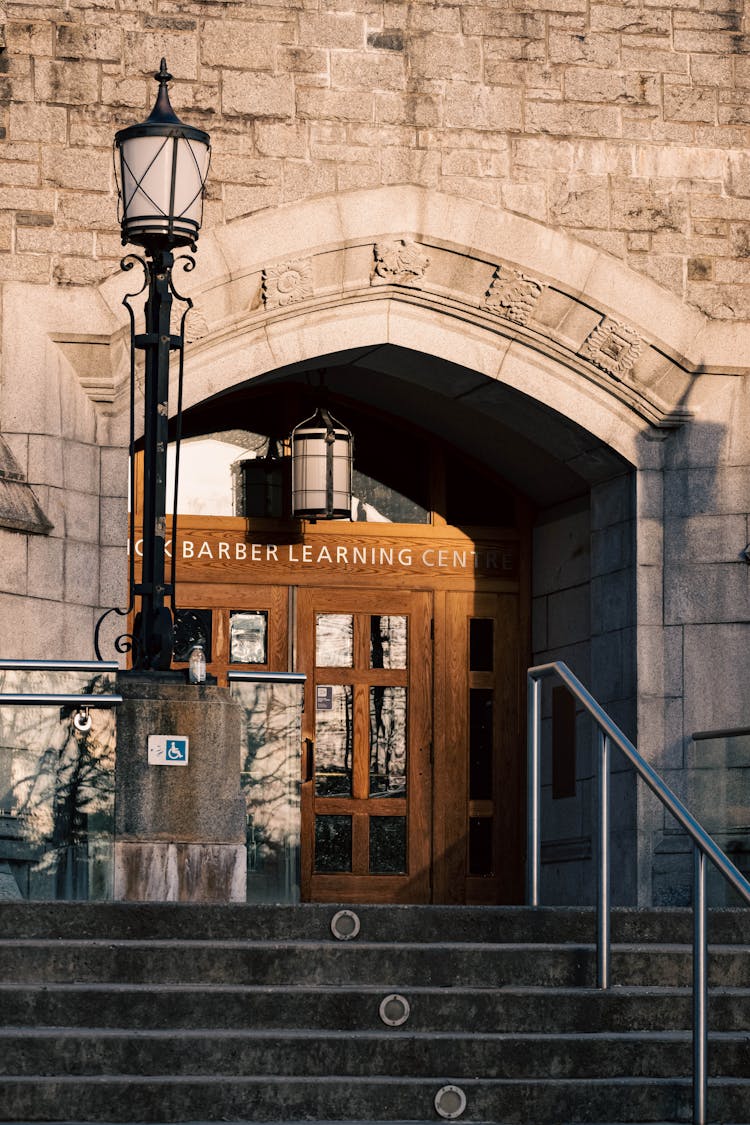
162, 166
321, 468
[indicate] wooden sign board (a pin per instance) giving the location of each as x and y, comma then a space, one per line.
328, 556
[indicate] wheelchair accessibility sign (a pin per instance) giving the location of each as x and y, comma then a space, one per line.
167, 750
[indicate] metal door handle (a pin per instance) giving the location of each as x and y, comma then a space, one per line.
308, 769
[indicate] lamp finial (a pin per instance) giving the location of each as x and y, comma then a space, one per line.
162, 113
162, 75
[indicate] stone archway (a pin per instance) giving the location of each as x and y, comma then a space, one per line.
492, 291
478, 290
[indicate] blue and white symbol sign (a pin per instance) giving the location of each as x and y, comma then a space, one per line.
167, 750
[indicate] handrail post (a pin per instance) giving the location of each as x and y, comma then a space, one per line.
700, 989
534, 704
603, 905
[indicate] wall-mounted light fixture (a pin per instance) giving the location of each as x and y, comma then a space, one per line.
321, 468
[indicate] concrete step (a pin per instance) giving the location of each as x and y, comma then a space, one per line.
386, 1098
153, 1013
393, 965
311, 922
356, 1008
431, 1121
110, 1052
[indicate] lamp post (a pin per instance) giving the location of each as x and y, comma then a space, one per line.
162, 166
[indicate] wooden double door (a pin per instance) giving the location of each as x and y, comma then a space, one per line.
412, 761
412, 757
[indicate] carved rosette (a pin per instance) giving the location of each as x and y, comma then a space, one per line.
287, 283
401, 262
612, 346
512, 294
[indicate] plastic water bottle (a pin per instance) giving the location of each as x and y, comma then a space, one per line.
197, 665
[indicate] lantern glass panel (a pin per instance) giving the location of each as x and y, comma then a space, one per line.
309, 473
342, 478
150, 198
317, 492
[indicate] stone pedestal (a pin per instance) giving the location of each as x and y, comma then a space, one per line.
179, 830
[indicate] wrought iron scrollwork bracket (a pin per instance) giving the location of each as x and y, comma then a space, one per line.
128, 642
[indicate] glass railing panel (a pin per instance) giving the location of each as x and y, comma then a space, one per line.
272, 724
56, 783
715, 786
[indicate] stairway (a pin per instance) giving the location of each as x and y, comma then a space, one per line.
186, 1013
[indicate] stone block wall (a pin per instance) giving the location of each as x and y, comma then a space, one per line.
583, 613
561, 630
624, 124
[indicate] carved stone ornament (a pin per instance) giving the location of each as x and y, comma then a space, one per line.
512, 294
612, 346
287, 283
401, 262
196, 325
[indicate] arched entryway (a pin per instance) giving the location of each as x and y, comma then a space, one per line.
511, 346
412, 621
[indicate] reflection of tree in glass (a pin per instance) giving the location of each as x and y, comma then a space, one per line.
334, 640
59, 786
270, 779
334, 741
387, 741
388, 641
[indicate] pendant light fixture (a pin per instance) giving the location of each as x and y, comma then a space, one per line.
321, 468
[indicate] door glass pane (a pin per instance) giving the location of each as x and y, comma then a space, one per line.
191, 627
387, 845
334, 727
388, 642
334, 640
333, 843
481, 655
387, 741
248, 637
480, 744
480, 845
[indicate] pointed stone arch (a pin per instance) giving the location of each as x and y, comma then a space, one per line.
495, 292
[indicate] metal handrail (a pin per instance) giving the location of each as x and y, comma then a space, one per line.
266, 677
62, 699
703, 848
59, 666
50, 699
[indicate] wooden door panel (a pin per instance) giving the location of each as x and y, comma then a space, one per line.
478, 847
367, 825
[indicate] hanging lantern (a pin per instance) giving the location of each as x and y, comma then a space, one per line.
162, 170
321, 468
263, 483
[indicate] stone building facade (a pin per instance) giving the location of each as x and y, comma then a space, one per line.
530, 221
